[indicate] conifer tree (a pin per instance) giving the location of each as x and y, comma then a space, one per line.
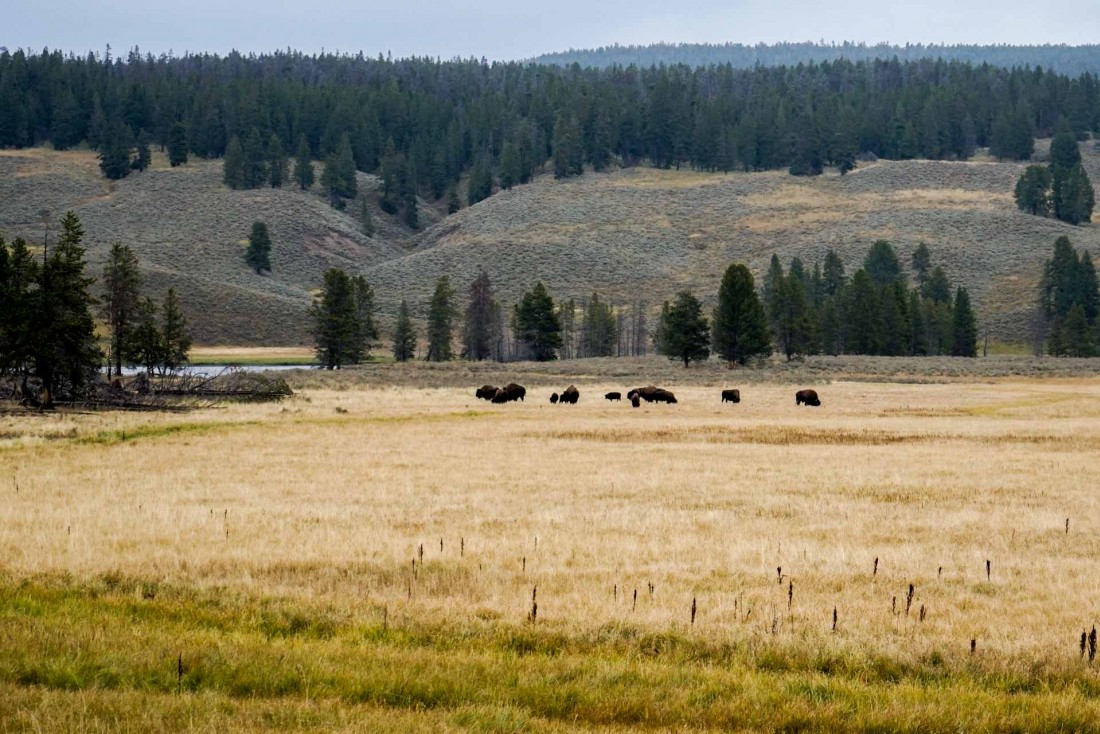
861, 317
18, 276
258, 254
64, 355
367, 330
441, 315
303, 165
277, 165
1032, 193
481, 182
254, 166
794, 326
882, 264
453, 202
510, 171
922, 264
536, 324
233, 165
175, 334
337, 327
121, 283
685, 335
177, 144
965, 329
142, 156
114, 151
568, 150
404, 335
740, 326
145, 344
477, 334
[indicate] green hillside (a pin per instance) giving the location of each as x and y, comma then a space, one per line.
632, 234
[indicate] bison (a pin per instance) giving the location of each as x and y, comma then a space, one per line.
652, 394
571, 395
731, 396
553, 398
613, 396
807, 397
635, 400
486, 392
663, 396
509, 392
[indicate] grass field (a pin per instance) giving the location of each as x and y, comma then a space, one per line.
364, 557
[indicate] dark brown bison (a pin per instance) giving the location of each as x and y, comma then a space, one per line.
731, 396
570, 396
509, 392
553, 398
807, 397
486, 392
663, 396
635, 400
613, 396
652, 394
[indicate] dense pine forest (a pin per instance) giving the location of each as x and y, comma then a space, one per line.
425, 123
1052, 57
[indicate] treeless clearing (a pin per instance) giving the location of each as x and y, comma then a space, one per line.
766, 515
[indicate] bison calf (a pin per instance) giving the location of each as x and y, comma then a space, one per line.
731, 396
553, 398
613, 396
807, 397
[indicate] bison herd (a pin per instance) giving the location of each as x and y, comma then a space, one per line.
650, 394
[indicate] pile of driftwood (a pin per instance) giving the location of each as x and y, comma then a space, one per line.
184, 391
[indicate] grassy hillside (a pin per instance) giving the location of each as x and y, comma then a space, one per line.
647, 233
629, 234
190, 231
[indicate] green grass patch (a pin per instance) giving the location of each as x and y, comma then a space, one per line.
63, 636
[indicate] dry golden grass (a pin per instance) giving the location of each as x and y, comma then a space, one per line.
700, 499
766, 515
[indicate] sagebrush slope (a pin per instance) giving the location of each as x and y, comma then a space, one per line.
631, 235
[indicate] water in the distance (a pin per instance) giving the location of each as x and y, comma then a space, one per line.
210, 370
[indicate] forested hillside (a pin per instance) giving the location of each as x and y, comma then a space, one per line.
423, 123
1052, 57
446, 136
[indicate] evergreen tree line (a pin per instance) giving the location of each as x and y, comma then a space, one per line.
48, 345
1069, 303
797, 312
1057, 57
422, 124
1062, 189
801, 312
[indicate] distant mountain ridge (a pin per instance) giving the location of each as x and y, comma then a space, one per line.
1065, 59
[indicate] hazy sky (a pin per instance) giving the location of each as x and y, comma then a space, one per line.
502, 29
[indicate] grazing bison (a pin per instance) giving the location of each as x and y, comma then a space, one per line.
731, 396
635, 400
570, 396
652, 394
553, 398
663, 396
486, 392
807, 397
613, 396
509, 392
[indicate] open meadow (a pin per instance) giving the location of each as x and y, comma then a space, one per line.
398, 558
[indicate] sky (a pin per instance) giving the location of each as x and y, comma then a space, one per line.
505, 30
